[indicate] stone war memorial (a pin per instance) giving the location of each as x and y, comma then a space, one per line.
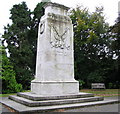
55, 61
54, 86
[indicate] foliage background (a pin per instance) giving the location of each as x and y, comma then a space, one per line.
96, 44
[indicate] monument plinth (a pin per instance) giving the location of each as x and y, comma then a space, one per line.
55, 58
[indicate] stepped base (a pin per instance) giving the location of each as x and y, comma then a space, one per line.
22, 108
33, 100
35, 97
31, 103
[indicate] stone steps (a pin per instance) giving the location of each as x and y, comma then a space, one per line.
20, 108
28, 102
32, 103
29, 95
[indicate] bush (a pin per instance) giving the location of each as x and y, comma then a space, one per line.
115, 85
81, 84
96, 76
7, 75
9, 84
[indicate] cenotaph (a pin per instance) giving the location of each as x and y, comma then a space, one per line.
55, 58
54, 86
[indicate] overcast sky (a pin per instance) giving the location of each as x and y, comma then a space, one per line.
110, 8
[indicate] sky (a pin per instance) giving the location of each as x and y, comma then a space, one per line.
110, 8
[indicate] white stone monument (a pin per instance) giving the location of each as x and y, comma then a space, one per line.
54, 86
55, 53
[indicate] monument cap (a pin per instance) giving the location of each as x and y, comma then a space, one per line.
46, 1
55, 8
56, 5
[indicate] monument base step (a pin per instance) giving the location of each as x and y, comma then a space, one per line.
32, 103
35, 97
34, 100
22, 108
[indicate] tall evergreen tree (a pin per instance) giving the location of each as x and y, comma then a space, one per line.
21, 38
17, 38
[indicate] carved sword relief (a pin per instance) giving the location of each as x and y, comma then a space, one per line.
59, 40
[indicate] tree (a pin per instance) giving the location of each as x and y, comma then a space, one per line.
93, 55
17, 38
7, 74
114, 37
21, 38
33, 32
90, 43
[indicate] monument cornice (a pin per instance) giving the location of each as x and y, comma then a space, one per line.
56, 5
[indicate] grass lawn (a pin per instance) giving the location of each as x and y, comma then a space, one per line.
103, 92
6, 95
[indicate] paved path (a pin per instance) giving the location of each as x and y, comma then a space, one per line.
3, 109
102, 108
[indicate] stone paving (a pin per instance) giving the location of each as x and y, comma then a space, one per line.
101, 108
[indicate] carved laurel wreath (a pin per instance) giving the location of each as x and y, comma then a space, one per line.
42, 27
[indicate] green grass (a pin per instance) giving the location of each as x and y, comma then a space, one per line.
102, 92
6, 95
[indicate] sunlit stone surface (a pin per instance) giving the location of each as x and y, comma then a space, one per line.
55, 59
